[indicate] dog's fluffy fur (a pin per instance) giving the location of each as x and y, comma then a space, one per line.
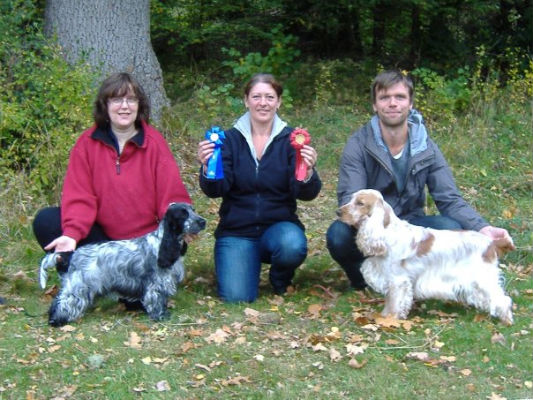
407, 262
145, 269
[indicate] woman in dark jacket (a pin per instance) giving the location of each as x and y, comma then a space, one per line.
258, 221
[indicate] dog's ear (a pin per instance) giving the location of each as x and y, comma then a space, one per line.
387, 211
170, 250
370, 237
171, 245
183, 248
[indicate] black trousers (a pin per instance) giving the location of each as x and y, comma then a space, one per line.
47, 227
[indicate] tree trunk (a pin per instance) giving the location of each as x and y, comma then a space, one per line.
112, 36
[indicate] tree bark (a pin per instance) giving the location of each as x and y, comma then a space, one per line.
111, 36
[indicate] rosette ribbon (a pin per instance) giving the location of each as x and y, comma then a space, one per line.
299, 138
215, 169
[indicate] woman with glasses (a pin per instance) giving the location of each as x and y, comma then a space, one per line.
120, 178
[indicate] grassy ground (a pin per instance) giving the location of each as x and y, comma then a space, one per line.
320, 341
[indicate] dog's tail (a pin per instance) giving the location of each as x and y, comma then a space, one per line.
60, 260
48, 261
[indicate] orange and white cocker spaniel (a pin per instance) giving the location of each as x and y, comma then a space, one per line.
407, 262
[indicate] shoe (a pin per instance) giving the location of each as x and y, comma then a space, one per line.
280, 291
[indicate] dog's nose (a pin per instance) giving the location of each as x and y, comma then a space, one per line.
201, 223
338, 212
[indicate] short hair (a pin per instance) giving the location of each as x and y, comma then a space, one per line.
118, 85
386, 79
263, 78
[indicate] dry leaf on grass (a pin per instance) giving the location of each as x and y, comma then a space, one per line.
497, 338
334, 355
218, 337
134, 341
353, 363
236, 380
162, 386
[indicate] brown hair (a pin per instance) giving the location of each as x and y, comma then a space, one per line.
118, 85
263, 78
386, 79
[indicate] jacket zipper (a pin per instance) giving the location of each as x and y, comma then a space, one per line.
117, 165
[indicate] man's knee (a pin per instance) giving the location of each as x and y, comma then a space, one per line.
339, 235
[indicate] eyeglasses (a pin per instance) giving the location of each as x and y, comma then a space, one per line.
117, 101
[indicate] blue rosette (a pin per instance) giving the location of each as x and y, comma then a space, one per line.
215, 169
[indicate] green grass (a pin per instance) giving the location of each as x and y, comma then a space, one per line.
298, 346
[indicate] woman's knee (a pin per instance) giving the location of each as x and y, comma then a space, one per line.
47, 225
287, 244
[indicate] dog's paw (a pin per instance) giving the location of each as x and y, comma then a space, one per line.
160, 316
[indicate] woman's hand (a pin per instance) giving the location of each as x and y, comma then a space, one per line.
205, 151
62, 243
309, 156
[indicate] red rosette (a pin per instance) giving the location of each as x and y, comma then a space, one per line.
299, 138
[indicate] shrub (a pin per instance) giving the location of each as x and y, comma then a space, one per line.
45, 102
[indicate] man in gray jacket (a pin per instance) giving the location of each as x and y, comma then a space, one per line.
394, 154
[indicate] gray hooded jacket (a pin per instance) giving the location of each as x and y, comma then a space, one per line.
365, 164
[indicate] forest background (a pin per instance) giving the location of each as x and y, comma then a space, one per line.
472, 66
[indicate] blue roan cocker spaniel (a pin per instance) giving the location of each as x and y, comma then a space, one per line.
146, 269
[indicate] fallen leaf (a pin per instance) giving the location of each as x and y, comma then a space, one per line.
319, 347
353, 350
388, 322
496, 396
240, 340
53, 349
195, 332
67, 328
465, 372
204, 367
146, 360
314, 310
250, 312
497, 338
448, 358
218, 337
259, 357
134, 341
139, 388
335, 334
185, 347
319, 365
334, 355
417, 355
353, 363
237, 380
162, 386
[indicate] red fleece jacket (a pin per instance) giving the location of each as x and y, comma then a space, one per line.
128, 194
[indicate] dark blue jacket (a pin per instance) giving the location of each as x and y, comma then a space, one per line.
257, 195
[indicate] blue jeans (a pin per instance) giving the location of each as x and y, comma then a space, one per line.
238, 261
340, 239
